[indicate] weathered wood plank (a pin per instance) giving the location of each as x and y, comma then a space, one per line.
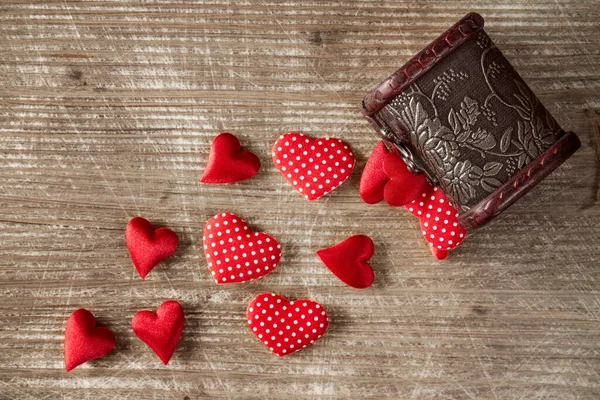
107, 111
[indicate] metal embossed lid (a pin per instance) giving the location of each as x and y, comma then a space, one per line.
460, 113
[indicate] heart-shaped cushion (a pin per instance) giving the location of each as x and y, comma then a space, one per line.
161, 330
438, 221
314, 167
285, 326
148, 247
228, 163
84, 341
348, 261
236, 254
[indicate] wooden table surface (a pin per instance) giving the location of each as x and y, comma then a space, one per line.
107, 111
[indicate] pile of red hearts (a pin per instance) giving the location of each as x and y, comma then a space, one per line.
236, 254
386, 177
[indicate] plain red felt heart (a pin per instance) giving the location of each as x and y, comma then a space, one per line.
314, 167
286, 326
148, 247
404, 186
228, 163
438, 221
84, 341
234, 253
161, 330
373, 179
386, 176
348, 261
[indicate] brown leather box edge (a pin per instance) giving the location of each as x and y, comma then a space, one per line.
432, 54
521, 183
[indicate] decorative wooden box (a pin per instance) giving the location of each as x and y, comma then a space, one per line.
459, 113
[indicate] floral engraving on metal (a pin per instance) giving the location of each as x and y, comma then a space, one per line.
472, 121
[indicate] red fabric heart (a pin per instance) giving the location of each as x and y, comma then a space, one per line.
348, 261
84, 341
236, 254
314, 167
148, 247
161, 330
438, 221
286, 326
404, 186
228, 163
386, 176
439, 253
373, 178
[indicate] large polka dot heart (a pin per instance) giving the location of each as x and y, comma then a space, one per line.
234, 253
314, 167
438, 221
284, 326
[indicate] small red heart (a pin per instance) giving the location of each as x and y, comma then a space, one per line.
148, 247
84, 341
348, 261
373, 178
228, 163
386, 176
236, 254
161, 330
404, 186
314, 167
438, 221
286, 326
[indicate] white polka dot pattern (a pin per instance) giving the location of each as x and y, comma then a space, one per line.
236, 254
314, 167
438, 219
285, 326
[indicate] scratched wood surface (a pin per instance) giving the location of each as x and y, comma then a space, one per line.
107, 111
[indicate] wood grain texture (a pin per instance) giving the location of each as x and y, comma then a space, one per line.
107, 111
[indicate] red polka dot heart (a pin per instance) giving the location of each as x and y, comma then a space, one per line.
285, 326
314, 167
234, 253
438, 221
